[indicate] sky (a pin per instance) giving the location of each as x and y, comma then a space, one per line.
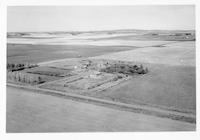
86, 18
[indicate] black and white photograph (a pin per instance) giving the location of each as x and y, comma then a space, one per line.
100, 68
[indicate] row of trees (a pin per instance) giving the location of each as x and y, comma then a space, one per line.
125, 69
24, 78
19, 66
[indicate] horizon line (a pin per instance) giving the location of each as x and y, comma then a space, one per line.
120, 29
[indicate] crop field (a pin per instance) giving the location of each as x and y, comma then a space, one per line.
18, 53
31, 112
41, 47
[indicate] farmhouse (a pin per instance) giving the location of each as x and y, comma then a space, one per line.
95, 74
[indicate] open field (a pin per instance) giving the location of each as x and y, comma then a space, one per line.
144, 68
18, 53
179, 53
170, 82
171, 79
45, 46
31, 112
164, 86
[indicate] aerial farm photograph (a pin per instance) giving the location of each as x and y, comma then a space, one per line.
101, 68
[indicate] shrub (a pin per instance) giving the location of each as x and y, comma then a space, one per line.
125, 69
